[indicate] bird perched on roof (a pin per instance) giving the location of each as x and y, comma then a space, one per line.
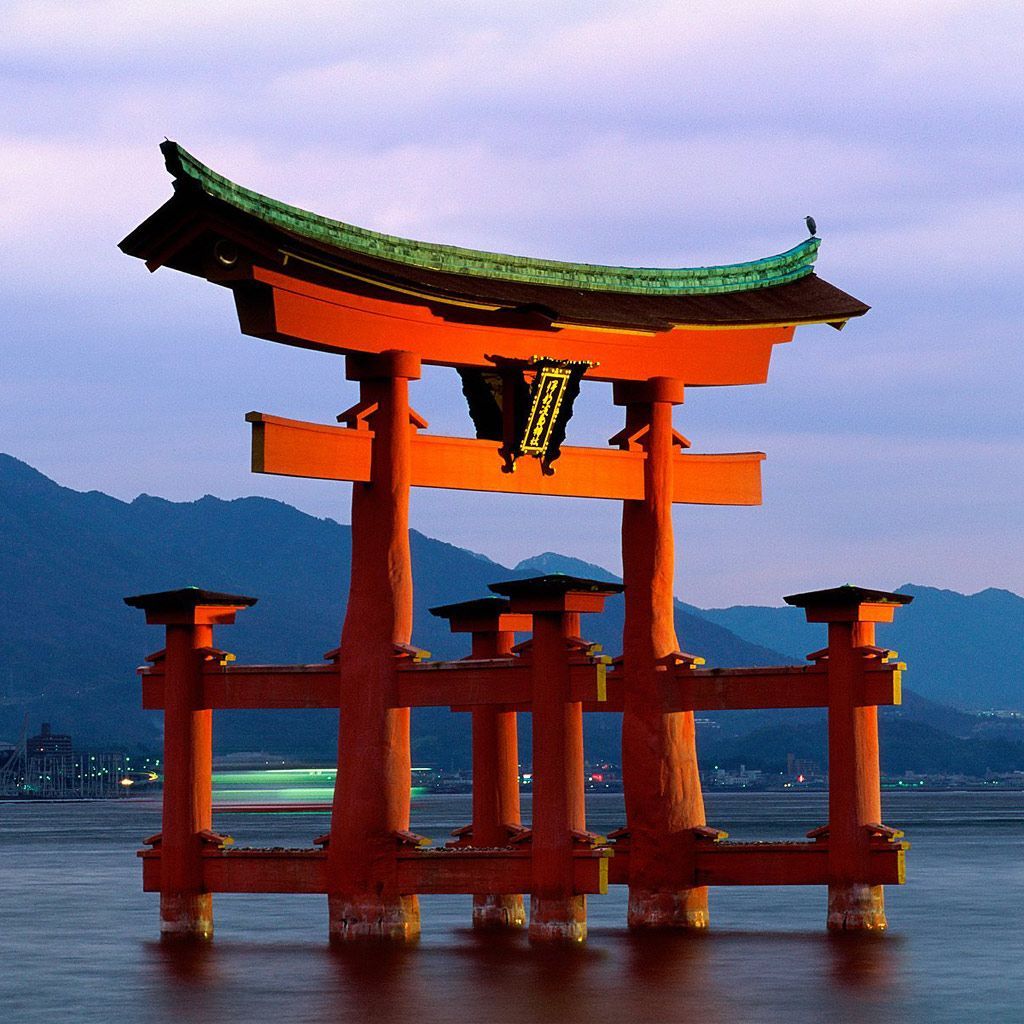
811, 226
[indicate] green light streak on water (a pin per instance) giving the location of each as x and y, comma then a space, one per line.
274, 785
277, 786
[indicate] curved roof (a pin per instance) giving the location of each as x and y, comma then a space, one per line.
471, 286
733, 277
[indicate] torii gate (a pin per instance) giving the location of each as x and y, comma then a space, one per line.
388, 305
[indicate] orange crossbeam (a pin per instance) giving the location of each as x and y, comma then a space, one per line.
503, 681
745, 689
295, 448
280, 307
464, 684
790, 864
249, 687
437, 871
772, 863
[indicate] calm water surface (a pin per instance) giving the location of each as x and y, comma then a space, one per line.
78, 937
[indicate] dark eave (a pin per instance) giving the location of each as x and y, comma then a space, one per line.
468, 285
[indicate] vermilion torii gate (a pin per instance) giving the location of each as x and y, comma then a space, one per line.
522, 333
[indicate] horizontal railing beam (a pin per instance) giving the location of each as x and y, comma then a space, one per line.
506, 681
419, 871
287, 447
778, 863
502, 681
746, 689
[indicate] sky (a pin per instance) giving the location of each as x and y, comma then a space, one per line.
657, 134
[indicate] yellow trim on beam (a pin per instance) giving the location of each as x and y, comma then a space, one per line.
561, 325
390, 287
558, 324
754, 327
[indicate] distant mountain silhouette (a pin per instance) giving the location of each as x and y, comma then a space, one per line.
69, 646
960, 650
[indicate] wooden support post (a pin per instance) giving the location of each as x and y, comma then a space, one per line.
372, 795
186, 908
557, 912
496, 811
660, 777
854, 789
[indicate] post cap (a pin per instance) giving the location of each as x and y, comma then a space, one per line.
555, 583
483, 615
848, 603
185, 598
478, 606
847, 594
557, 593
189, 605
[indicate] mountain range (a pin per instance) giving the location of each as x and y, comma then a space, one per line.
69, 646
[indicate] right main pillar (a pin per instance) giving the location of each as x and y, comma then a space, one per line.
664, 802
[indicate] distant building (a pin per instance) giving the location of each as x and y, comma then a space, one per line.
802, 769
48, 743
48, 768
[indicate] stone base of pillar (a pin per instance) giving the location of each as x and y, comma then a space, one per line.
186, 915
686, 909
562, 919
493, 912
357, 918
856, 907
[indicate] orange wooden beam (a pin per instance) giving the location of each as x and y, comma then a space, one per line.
287, 447
253, 686
435, 871
745, 689
279, 307
771, 863
789, 864
465, 684
501, 681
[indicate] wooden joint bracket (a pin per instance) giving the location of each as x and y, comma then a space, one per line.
210, 838
403, 837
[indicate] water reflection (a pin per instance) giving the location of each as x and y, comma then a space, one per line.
865, 961
660, 958
191, 963
79, 938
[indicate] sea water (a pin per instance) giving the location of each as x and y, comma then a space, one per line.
79, 939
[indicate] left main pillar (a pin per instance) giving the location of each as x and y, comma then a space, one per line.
372, 795
189, 615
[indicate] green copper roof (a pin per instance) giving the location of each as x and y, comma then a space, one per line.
734, 277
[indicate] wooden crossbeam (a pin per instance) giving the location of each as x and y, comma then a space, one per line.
769, 863
282, 307
287, 447
250, 687
506, 681
503, 681
452, 871
465, 684
747, 689
426, 871
790, 864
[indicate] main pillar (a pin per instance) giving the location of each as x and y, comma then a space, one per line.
854, 783
557, 912
661, 781
496, 812
372, 795
186, 909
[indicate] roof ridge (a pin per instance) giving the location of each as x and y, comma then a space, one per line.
766, 272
